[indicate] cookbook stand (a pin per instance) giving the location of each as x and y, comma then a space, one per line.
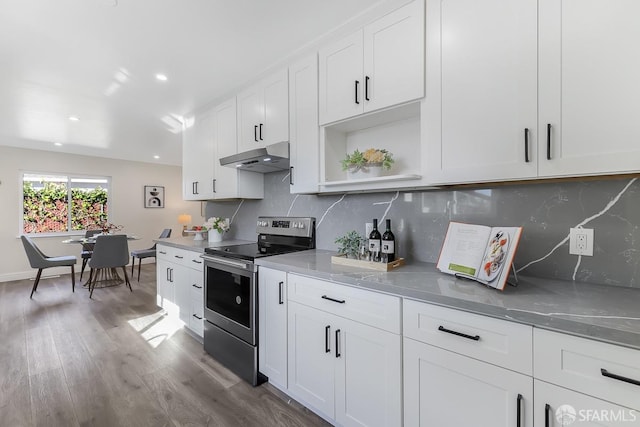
484, 282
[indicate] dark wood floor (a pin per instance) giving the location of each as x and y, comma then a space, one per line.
66, 360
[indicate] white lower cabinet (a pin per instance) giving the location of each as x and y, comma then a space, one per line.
178, 273
557, 406
272, 325
347, 371
445, 389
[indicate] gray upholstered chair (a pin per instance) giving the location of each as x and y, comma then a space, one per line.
40, 261
146, 253
109, 253
87, 249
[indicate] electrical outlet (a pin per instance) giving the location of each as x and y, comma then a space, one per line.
581, 241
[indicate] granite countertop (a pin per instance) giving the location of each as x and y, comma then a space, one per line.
605, 313
198, 245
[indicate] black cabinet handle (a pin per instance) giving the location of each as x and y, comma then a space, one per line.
339, 301
195, 187
338, 343
255, 133
356, 93
280, 301
260, 133
196, 261
326, 339
168, 278
196, 286
214, 185
366, 88
519, 410
608, 374
460, 334
290, 175
197, 317
179, 256
171, 275
548, 141
163, 252
526, 145
547, 418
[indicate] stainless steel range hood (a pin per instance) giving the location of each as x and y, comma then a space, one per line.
272, 158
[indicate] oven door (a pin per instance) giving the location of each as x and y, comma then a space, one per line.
230, 295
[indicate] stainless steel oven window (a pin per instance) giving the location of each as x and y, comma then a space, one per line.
229, 294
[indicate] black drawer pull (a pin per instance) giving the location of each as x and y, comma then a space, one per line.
339, 301
608, 374
519, 410
197, 317
460, 334
196, 286
326, 339
163, 252
196, 261
178, 256
526, 145
547, 418
338, 343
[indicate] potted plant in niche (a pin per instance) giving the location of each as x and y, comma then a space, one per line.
367, 164
215, 227
350, 244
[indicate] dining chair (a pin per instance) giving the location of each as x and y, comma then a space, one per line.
109, 253
146, 253
39, 260
87, 249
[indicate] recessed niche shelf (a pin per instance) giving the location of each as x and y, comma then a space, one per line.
395, 129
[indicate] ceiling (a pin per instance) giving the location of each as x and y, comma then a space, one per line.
97, 61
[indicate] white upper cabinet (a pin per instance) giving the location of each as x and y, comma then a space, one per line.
206, 138
263, 113
198, 157
379, 66
589, 87
481, 106
304, 131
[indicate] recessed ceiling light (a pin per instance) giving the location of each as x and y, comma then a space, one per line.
156, 157
161, 77
73, 118
57, 144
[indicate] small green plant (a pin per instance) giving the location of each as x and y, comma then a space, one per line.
349, 244
371, 157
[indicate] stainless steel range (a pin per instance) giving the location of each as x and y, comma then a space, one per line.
231, 291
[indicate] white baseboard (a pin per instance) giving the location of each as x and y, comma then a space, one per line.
54, 271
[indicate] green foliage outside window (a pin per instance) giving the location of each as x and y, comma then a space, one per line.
46, 209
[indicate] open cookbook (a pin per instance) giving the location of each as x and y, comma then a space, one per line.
479, 252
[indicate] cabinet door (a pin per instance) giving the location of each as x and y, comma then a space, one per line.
368, 376
442, 388
556, 406
274, 126
341, 81
272, 346
304, 131
482, 90
181, 282
250, 115
165, 292
226, 179
198, 155
311, 359
589, 86
394, 58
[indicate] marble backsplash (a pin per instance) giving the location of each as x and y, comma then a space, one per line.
419, 221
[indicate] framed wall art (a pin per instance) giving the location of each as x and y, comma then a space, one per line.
153, 196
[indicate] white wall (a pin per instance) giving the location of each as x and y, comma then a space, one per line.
126, 204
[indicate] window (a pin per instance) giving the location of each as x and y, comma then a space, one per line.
54, 204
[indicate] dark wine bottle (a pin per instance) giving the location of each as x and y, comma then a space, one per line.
374, 242
388, 244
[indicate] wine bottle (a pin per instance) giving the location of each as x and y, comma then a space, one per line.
388, 244
374, 242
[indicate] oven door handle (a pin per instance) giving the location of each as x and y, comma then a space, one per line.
224, 261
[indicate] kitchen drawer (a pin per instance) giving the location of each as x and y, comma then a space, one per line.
196, 320
165, 252
495, 341
186, 258
586, 366
368, 307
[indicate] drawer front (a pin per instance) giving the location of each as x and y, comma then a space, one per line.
184, 257
368, 307
495, 341
598, 369
164, 253
196, 320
